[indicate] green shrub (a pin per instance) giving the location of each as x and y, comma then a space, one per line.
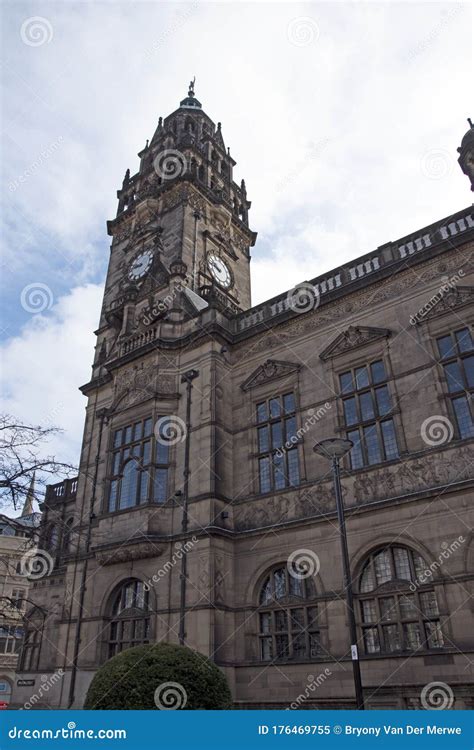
158, 675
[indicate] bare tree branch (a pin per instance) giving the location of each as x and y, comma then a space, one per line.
21, 455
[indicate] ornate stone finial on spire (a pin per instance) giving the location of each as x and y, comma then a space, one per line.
126, 179
160, 122
28, 506
191, 87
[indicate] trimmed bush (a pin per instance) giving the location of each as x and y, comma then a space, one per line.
159, 675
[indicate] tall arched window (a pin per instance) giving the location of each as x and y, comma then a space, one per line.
52, 538
130, 612
397, 611
288, 617
67, 535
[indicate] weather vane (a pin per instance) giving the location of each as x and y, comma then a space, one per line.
191, 87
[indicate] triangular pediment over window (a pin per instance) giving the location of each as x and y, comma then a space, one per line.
353, 338
443, 302
270, 370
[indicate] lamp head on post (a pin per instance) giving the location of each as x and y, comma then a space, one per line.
189, 375
333, 448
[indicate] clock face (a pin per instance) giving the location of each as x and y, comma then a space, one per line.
219, 270
140, 265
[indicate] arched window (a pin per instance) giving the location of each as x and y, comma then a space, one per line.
202, 173
52, 538
30, 652
288, 617
398, 612
67, 535
130, 612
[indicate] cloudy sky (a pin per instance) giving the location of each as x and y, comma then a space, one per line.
344, 119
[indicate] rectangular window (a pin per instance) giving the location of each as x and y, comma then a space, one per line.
139, 465
17, 598
278, 465
11, 638
366, 412
457, 359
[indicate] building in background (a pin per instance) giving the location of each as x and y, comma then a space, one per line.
18, 538
201, 418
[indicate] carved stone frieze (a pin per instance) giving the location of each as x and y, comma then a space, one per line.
353, 338
442, 302
137, 550
270, 370
392, 288
402, 478
136, 384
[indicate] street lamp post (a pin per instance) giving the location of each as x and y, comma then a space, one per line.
334, 449
187, 378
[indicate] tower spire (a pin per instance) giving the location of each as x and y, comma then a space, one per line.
28, 506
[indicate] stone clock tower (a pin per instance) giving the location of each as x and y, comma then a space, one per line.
180, 238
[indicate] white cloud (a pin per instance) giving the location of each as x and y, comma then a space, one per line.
43, 367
